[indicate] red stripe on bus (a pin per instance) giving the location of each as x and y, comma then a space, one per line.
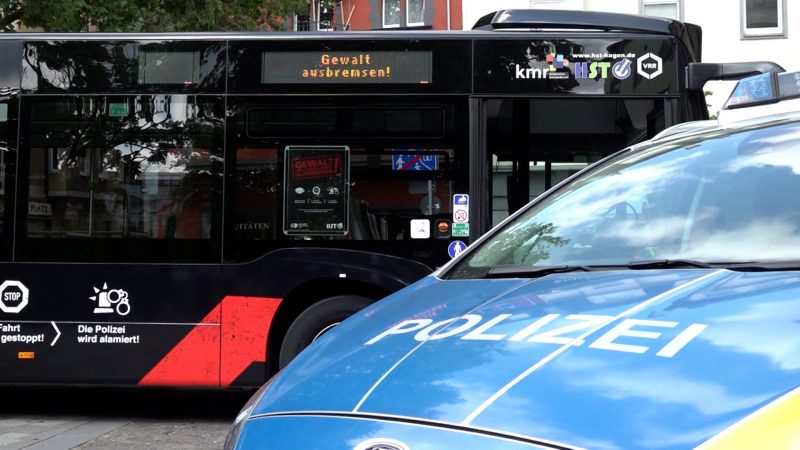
237, 329
194, 361
245, 327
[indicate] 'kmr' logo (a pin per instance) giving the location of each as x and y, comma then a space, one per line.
555, 61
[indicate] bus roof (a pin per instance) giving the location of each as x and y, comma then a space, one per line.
689, 34
535, 21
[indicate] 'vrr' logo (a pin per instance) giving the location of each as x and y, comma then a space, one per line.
649, 66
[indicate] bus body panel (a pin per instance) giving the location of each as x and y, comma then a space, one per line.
165, 324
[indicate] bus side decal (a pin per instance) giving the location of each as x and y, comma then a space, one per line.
194, 361
245, 327
228, 340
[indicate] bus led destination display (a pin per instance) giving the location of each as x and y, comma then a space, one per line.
356, 67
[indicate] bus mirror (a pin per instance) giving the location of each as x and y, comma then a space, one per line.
697, 74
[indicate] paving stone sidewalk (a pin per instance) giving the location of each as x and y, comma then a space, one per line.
81, 433
35, 433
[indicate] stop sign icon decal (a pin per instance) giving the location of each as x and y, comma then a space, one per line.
13, 296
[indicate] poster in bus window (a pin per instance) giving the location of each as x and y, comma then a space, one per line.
316, 193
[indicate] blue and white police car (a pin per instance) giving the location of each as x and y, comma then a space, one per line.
652, 301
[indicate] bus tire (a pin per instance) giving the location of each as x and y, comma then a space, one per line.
316, 320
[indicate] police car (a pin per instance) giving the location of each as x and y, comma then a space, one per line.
652, 301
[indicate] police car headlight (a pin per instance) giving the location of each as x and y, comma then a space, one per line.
238, 423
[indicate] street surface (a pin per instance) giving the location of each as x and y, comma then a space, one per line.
58, 418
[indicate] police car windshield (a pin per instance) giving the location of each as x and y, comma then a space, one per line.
723, 197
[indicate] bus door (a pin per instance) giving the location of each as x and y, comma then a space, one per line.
529, 145
546, 106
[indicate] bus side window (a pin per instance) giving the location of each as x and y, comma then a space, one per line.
389, 194
256, 194
115, 169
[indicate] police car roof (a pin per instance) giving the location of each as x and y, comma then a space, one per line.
700, 127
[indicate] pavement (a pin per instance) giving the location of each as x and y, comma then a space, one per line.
94, 419
84, 433
198, 435
32, 433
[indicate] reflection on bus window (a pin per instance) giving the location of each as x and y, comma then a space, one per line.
383, 197
121, 168
256, 194
392, 187
2, 186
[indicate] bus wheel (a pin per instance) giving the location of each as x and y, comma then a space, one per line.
315, 321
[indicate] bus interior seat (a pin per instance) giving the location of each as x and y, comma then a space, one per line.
372, 222
384, 227
363, 222
357, 229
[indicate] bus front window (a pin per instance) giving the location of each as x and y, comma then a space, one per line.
714, 199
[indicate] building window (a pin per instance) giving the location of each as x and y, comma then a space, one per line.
391, 13
670, 9
53, 156
415, 12
763, 18
2, 182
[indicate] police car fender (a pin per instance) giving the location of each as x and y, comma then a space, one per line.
475, 328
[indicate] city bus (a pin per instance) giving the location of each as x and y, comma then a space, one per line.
194, 209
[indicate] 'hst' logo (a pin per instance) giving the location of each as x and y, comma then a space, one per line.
573, 330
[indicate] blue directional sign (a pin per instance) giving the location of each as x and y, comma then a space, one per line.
455, 248
424, 160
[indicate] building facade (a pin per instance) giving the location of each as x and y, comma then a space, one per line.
733, 30
406, 14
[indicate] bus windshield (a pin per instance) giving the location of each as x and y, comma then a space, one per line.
715, 198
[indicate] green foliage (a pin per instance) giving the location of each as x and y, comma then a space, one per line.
10, 11
151, 15
526, 244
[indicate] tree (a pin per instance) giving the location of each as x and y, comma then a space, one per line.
10, 12
150, 15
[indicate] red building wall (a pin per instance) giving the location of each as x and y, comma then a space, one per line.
367, 15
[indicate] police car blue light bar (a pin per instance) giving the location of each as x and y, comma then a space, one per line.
764, 88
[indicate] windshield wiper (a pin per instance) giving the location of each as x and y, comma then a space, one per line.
667, 264
739, 266
765, 266
532, 271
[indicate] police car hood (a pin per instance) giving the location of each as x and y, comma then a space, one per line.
610, 360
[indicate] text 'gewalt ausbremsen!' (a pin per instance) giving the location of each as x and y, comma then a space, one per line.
355, 66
